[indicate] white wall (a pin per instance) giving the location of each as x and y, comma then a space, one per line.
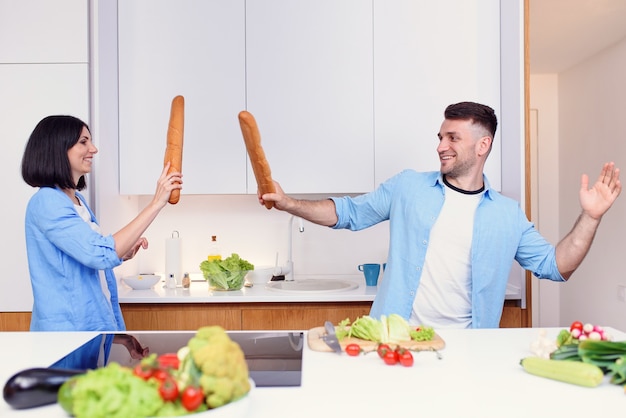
545, 180
591, 132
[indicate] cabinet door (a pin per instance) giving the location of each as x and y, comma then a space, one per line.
193, 48
30, 92
310, 86
43, 31
427, 55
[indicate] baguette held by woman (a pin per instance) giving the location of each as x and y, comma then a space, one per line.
260, 166
174, 149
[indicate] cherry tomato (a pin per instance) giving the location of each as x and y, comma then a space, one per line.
576, 325
144, 371
382, 349
391, 357
168, 389
192, 398
160, 375
168, 361
353, 349
405, 358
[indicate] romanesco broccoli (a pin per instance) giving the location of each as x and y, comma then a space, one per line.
221, 360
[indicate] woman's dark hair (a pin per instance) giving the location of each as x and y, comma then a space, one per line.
478, 113
45, 162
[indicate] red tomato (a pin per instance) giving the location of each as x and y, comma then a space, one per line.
168, 389
353, 349
405, 358
576, 325
382, 349
160, 375
168, 361
143, 371
192, 398
391, 357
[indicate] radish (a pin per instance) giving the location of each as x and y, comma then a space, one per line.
594, 335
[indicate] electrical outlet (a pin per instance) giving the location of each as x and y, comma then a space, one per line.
621, 293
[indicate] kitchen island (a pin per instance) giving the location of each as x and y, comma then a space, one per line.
478, 375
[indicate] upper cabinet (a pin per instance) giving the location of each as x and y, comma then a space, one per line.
309, 84
427, 55
193, 48
345, 93
43, 31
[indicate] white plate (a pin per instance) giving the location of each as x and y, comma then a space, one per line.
142, 281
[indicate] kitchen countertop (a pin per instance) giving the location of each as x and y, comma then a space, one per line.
199, 293
478, 376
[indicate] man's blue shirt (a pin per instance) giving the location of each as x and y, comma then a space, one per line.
411, 202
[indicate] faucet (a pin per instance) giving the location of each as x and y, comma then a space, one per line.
287, 269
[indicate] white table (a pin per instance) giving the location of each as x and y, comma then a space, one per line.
478, 376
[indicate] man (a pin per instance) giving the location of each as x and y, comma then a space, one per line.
453, 239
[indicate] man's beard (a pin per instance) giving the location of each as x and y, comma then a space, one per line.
460, 169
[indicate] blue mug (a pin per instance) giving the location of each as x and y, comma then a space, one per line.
371, 272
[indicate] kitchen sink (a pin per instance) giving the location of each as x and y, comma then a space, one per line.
312, 285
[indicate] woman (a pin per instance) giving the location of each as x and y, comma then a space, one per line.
69, 259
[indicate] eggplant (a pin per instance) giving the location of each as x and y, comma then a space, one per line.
36, 387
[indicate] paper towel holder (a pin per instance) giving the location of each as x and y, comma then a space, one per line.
173, 267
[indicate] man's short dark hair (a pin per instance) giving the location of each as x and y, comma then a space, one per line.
478, 113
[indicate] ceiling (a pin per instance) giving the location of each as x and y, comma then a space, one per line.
562, 33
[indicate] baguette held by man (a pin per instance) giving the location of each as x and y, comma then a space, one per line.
260, 166
174, 149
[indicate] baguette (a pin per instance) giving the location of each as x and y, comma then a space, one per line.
260, 166
174, 149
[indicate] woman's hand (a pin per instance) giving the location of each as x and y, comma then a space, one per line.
141, 243
167, 183
133, 346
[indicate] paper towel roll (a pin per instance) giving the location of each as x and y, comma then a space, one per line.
172, 258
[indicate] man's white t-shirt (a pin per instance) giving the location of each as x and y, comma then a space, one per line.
444, 295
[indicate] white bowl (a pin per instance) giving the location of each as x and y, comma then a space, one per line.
142, 281
261, 274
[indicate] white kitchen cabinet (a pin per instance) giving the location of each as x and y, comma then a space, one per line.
43, 31
193, 48
29, 93
43, 71
345, 93
427, 55
309, 85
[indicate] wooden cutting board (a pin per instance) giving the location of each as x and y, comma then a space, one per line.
316, 343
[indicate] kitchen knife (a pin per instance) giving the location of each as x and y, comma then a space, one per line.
331, 338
